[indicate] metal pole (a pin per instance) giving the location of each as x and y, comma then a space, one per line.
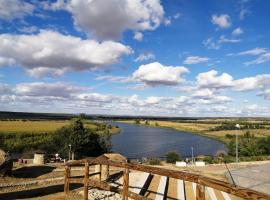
192, 155
236, 148
236, 143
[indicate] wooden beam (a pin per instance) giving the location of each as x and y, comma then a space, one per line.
66, 180
125, 184
186, 176
86, 178
200, 192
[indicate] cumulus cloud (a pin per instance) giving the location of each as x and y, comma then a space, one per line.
251, 83
195, 60
222, 20
42, 89
52, 53
155, 74
265, 94
15, 9
145, 56
237, 31
212, 80
110, 21
138, 36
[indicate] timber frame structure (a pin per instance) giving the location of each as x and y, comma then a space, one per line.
201, 181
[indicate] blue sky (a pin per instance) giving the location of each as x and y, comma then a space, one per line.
136, 57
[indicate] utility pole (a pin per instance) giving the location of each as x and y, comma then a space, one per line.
192, 155
236, 143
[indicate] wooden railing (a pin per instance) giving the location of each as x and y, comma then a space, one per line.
201, 181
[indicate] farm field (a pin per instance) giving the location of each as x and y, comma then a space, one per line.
44, 126
204, 128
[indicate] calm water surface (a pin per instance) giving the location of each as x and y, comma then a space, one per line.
140, 141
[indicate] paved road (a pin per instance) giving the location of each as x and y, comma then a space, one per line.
255, 177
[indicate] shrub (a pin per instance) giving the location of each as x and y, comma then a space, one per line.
154, 161
208, 159
172, 157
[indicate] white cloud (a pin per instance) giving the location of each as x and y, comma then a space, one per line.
155, 74
28, 29
177, 15
223, 39
244, 9
95, 97
251, 83
211, 44
120, 79
4, 89
138, 36
265, 94
223, 20
167, 22
145, 56
261, 59
53, 53
254, 52
15, 9
237, 31
110, 21
195, 60
42, 89
212, 80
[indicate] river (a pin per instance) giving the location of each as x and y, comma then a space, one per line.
136, 141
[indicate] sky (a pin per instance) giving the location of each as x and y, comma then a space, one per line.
184, 58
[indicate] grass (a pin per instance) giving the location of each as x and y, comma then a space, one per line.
46, 126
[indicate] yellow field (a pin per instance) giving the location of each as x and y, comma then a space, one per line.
203, 128
184, 126
256, 132
34, 126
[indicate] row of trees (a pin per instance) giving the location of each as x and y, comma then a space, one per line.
83, 141
249, 145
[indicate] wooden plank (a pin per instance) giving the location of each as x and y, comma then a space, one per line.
211, 193
161, 188
137, 187
86, 177
200, 192
125, 184
226, 196
181, 190
66, 180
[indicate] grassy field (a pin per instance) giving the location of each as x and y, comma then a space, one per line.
45, 126
203, 128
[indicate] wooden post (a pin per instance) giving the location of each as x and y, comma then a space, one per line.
66, 180
86, 177
100, 171
200, 192
125, 184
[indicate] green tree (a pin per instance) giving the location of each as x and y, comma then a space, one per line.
172, 157
137, 121
83, 141
146, 122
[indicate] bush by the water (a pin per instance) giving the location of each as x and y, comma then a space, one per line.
172, 157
